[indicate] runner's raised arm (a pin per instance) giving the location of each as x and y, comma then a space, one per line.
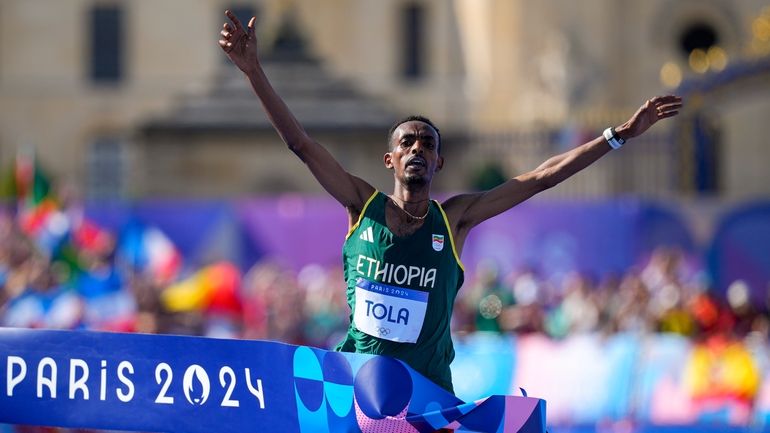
240, 45
466, 211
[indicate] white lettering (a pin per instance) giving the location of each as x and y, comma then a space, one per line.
371, 262
390, 273
162, 397
257, 392
414, 272
401, 280
380, 275
230, 374
430, 277
50, 382
103, 382
361, 257
79, 383
125, 397
11, 380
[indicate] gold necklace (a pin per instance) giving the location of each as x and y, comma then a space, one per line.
427, 211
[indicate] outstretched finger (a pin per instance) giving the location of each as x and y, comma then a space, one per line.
252, 21
668, 99
669, 107
668, 114
225, 34
234, 19
227, 46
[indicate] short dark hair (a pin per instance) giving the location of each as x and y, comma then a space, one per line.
418, 118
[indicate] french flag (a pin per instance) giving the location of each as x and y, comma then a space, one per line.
148, 250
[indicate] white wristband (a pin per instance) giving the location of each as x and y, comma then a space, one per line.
612, 138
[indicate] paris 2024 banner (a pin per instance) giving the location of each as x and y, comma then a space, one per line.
192, 384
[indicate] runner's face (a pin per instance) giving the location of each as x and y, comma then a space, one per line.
414, 154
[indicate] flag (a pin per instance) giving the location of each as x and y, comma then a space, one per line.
38, 213
147, 250
214, 288
31, 185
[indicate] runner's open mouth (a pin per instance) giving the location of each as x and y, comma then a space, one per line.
416, 161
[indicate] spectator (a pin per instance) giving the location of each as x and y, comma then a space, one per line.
309, 307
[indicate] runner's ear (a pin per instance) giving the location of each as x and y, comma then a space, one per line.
388, 160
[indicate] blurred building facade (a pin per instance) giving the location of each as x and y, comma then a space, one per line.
134, 98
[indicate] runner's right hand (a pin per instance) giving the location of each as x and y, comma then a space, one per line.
239, 43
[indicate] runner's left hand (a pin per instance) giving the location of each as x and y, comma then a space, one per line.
653, 110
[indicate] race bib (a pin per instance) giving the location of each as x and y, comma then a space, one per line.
389, 312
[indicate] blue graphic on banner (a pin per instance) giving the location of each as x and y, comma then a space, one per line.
193, 384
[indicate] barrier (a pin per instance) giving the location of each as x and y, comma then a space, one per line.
192, 384
656, 380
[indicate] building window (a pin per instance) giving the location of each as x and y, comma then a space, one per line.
413, 42
106, 168
106, 43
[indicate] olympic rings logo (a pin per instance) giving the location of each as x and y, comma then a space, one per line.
382, 331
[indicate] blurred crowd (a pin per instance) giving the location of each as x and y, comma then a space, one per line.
665, 293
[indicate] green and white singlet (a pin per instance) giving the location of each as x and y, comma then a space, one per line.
401, 290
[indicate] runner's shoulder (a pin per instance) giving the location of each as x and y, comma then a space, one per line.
456, 206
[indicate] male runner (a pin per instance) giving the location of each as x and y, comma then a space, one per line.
402, 253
